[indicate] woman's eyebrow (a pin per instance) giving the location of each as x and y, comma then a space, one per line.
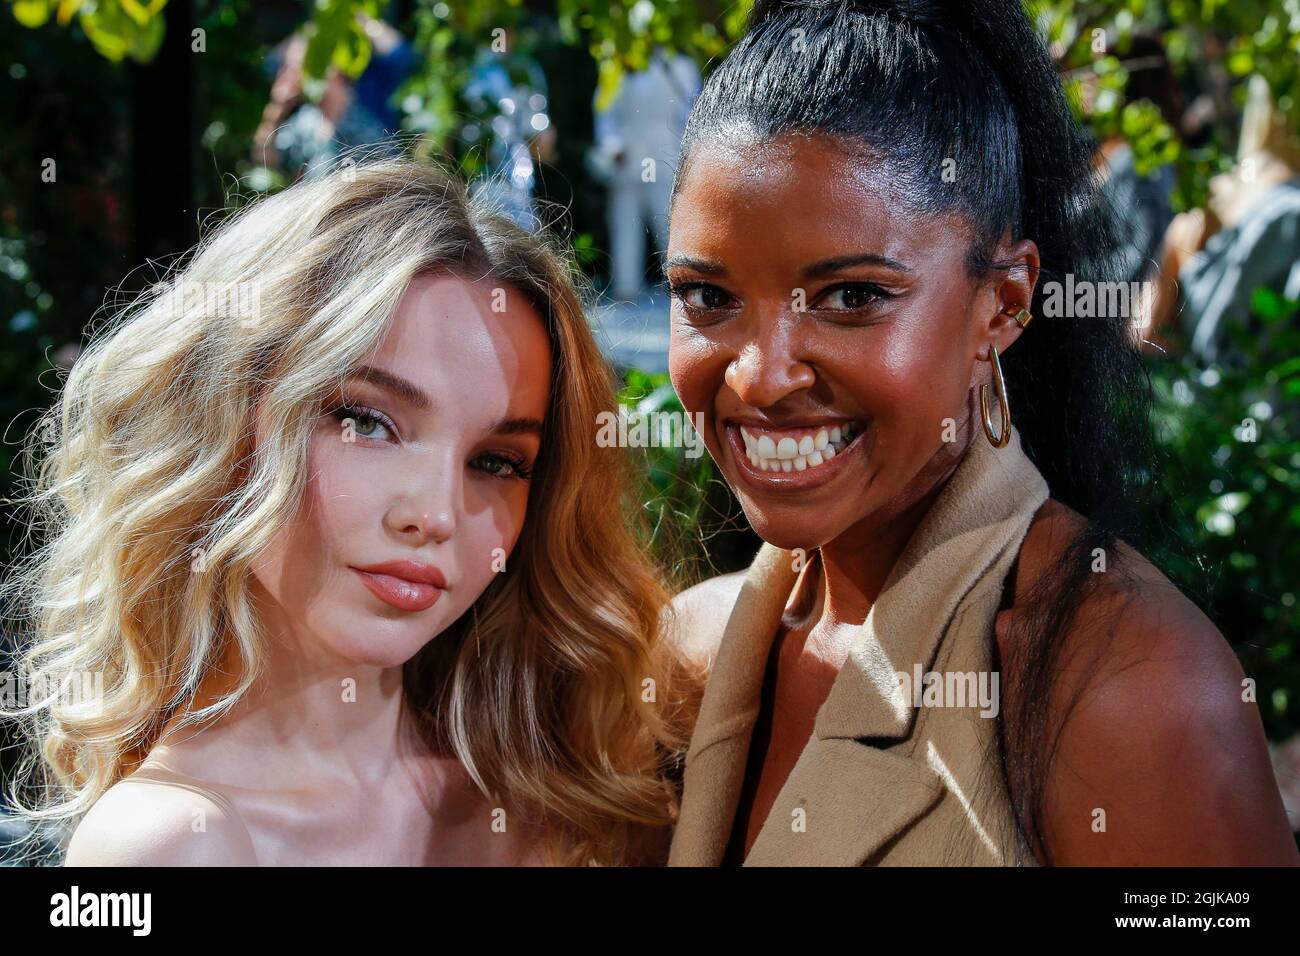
823, 267
411, 394
837, 263
403, 389
702, 266
517, 426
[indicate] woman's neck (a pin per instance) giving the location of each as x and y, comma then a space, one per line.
854, 567
319, 720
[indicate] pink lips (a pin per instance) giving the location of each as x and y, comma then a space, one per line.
405, 585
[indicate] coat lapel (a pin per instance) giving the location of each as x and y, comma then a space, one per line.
855, 785
715, 761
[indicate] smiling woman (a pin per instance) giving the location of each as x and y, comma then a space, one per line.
867, 194
342, 560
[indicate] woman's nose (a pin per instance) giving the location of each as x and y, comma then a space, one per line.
427, 508
424, 526
766, 371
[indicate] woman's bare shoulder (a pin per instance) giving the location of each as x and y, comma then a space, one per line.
1161, 757
148, 822
1132, 613
698, 615
1127, 583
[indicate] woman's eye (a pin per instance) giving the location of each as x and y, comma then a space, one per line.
366, 422
852, 296
700, 295
503, 466
370, 427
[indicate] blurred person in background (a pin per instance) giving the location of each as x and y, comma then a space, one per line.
637, 139
507, 94
1246, 237
303, 138
1143, 203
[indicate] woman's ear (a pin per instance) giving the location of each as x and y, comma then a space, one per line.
1013, 291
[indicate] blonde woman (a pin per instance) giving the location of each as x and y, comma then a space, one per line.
325, 524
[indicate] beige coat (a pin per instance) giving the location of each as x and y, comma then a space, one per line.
881, 781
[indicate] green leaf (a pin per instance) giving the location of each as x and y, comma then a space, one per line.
134, 10
110, 31
320, 51
32, 13
1286, 368
148, 39
609, 76
352, 52
1270, 305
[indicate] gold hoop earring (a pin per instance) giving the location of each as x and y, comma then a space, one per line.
1000, 387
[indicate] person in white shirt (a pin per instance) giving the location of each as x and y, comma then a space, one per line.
637, 139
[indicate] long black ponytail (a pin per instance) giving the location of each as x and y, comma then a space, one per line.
971, 88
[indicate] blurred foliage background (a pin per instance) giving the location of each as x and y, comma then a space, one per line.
150, 107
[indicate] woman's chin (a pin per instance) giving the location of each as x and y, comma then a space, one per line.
788, 536
381, 648
377, 657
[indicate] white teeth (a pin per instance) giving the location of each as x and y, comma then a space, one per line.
787, 453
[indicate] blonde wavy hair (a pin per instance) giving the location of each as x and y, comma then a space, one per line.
566, 704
